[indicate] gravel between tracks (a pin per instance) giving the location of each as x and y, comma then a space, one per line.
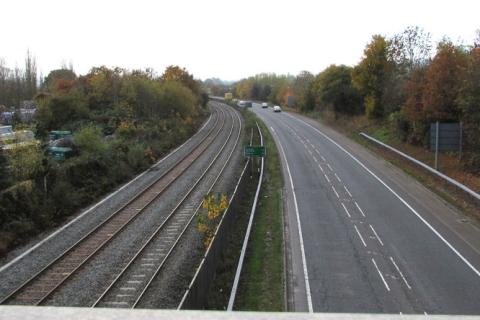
37, 259
168, 288
89, 282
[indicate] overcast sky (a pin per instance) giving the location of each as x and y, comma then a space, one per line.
228, 39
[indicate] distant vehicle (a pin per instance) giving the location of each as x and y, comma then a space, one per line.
264, 105
228, 96
277, 109
244, 104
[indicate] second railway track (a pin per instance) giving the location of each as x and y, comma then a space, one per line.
132, 283
44, 283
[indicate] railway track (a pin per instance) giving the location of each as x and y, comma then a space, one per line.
132, 283
44, 283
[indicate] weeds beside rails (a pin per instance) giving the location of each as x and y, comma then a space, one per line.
213, 206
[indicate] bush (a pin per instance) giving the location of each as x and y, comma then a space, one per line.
399, 124
136, 157
90, 141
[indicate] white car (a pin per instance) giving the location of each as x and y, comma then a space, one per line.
264, 105
277, 109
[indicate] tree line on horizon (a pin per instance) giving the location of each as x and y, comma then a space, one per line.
401, 80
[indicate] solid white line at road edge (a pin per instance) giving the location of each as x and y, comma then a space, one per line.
394, 193
300, 234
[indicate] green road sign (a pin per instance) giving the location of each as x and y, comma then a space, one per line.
254, 151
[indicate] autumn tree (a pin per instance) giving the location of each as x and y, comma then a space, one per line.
102, 86
468, 101
442, 82
175, 73
60, 81
243, 89
413, 106
370, 75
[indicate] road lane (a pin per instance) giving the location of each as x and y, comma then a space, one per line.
365, 250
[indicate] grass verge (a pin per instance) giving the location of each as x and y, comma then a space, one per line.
262, 283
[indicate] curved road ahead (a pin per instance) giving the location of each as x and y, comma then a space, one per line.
362, 236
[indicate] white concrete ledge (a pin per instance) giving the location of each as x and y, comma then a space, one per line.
62, 313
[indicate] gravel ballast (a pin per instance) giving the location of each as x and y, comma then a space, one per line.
31, 263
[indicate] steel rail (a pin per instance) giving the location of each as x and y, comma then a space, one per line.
207, 140
157, 233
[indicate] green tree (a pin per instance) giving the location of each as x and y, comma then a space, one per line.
90, 142
4, 176
333, 89
302, 91
58, 111
177, 99
370, 75
24, 162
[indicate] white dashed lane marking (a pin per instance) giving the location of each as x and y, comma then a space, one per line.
326, 177
381, 275
360, 209
335, 191
401, 274
360, 236
346, 189
346, 210
376, 235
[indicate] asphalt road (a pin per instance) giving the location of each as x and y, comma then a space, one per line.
362, 236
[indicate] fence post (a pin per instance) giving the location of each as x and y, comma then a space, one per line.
437, 130
461, 141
